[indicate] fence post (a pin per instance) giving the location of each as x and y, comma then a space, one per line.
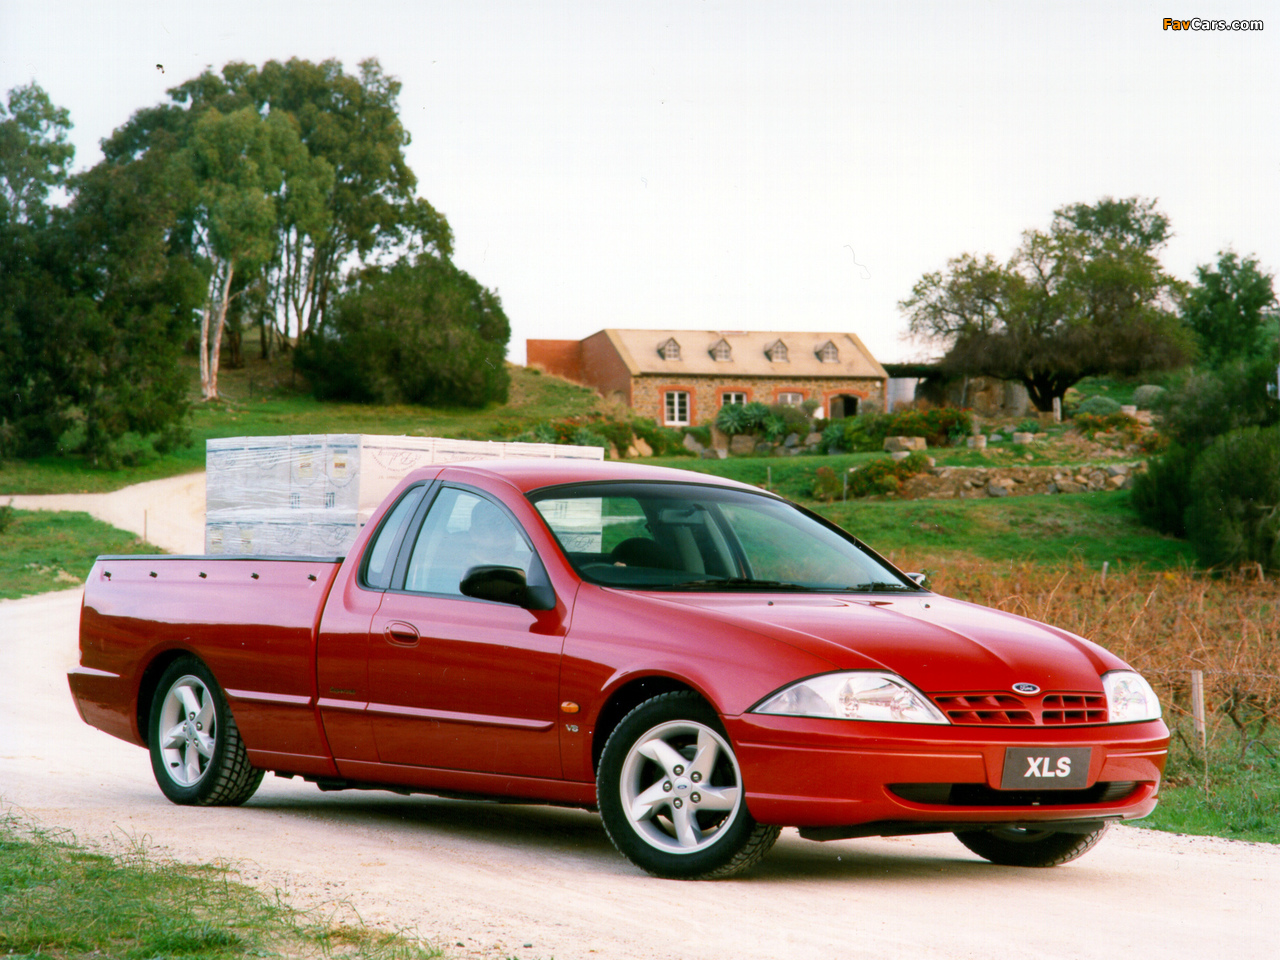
1197, 708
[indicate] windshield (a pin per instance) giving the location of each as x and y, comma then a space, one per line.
665, 536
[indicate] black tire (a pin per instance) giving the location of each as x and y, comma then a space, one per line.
1020, 847
671, 796
197, 755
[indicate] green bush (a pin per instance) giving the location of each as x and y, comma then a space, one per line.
420, 331
1090, 423
941, 427
885, 475
1098, 407
826, 485
1234, 514
1147, 395
733, 419
832, 437
663, 441
1162, 494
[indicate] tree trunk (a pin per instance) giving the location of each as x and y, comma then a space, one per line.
211, 390
204, 350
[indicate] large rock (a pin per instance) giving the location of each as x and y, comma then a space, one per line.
907, 444
742, 444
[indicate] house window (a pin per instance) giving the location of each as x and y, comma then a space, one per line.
829, 353
776, 352
721, 352
790, 399
669, 350
733, 397
677, 403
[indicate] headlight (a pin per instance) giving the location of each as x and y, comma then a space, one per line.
854, 696
1129, 697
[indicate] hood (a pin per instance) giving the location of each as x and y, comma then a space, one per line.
937, 644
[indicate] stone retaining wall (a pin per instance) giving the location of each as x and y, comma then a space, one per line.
944, 483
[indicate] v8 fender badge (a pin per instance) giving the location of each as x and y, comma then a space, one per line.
1026, 689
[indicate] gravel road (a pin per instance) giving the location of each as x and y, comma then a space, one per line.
492, 881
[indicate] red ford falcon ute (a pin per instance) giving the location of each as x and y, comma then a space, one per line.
701, 661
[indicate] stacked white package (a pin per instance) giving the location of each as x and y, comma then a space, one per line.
309, 495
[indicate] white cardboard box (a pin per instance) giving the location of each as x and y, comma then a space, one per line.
308, 495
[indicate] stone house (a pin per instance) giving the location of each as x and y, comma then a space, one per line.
683, 377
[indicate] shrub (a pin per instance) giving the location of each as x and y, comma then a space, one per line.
1162, 494
885, 475
942, 426
832, 437
826, 485
733, 419
1234, 514
1089, 424
1098, 407
417, 332
1146, 396
663, 441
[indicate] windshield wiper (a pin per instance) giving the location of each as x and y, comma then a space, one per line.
746, 583
881, 587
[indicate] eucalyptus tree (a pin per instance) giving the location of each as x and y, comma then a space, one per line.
370, 211
246, 172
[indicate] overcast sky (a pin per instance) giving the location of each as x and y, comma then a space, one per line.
739, 165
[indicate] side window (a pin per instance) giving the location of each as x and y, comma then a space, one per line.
463, 530
380, 560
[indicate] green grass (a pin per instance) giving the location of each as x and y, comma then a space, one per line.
58, 900
1237, 796
1094, 528
42, 551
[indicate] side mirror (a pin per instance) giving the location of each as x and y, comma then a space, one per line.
506, 585
917, 578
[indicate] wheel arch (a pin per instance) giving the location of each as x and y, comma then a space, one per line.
626, 698
148, 683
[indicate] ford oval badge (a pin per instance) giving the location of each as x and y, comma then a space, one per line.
1026, 689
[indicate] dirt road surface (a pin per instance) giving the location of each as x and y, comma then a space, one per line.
492, 881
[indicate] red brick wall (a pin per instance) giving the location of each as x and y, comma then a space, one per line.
604, 369
561, 357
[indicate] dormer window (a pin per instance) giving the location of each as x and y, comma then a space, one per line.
720, 351
669, 349
828, 353
776, 352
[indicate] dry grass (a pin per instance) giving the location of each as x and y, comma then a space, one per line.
1165, 623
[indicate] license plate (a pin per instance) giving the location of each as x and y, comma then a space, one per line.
1045, 768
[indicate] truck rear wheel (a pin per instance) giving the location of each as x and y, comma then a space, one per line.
197, 755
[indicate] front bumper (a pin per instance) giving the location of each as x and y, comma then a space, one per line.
888, 778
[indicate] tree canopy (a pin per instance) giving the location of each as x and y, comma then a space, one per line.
421, 331
252, 195
1230, 308
1086, 297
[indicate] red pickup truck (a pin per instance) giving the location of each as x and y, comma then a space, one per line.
702, 661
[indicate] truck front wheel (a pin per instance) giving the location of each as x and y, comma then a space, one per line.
197, 755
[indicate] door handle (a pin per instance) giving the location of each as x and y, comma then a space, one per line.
401, 634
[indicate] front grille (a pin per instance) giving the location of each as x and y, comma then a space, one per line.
1007, 709
1068, 708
